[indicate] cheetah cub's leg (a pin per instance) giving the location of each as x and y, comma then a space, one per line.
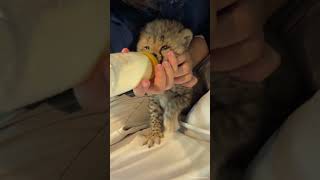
171, 117
173, 111
156, 119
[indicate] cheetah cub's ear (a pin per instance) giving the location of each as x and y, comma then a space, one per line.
187, 36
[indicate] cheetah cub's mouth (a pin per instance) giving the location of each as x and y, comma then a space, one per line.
161, 36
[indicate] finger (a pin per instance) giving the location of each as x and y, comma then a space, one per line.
182, 58
191, 83
170, 75
125, 50
173, 61
145, 85
183, 79
139, 91
183, 69
222, 4
142, 88
160, 78
249, 21
241, 54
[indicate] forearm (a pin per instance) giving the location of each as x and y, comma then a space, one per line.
92, 93
198, 50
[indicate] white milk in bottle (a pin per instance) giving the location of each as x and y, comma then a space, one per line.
128, 69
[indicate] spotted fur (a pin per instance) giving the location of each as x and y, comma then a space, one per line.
158, 37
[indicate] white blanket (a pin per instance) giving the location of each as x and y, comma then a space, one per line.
180, 156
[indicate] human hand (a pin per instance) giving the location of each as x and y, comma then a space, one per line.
164, 79
176, 70
184, 75
239, 47
91, 93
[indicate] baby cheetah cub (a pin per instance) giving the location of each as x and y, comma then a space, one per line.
158, 38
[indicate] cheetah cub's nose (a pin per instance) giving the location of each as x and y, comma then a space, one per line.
155, 55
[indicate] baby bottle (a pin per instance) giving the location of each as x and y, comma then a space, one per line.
128, 69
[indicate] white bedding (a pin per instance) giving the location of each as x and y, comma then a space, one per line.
180, 156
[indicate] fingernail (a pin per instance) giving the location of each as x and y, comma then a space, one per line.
170, 53
159, 66
145, 84
125, 50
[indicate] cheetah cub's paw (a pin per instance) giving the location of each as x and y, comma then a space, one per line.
153, 137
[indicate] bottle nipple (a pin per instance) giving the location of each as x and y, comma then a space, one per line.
154, 61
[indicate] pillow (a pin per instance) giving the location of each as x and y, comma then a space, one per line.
197, 123
47, 47
293, 151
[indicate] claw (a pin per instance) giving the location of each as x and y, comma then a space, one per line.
157, 140
144, 142
153, 138
150, 143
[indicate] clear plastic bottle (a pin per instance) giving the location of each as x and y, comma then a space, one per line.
128, 69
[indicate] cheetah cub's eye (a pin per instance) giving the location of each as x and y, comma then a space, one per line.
147, 48
165, 47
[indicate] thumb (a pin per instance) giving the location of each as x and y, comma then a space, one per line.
125, 50
142, 88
